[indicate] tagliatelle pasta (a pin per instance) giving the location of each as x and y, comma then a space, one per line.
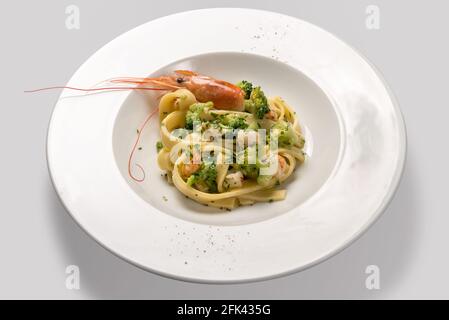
227, 158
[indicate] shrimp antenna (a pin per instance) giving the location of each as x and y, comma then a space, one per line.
133, 150
94, 89
142, 127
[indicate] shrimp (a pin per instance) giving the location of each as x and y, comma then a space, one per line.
223, 94
187, 169
271, 115
282, 166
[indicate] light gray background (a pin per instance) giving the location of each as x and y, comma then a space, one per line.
38, 239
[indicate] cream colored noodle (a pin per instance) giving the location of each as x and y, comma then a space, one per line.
172, 112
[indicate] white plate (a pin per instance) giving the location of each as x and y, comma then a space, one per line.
355, 140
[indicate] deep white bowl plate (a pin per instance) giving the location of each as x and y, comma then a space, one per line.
355, 141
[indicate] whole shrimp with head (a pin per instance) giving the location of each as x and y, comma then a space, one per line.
223, 94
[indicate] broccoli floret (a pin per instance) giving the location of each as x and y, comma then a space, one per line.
249, 106
249, 170
206, 177
257, 103
246, 87
232, 121
195, 113
287, 136
237, 123
262, 110
191, 118
260, 102
159, 146
199, 107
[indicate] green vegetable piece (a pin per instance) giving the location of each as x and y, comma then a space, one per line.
249, 170
192, 180
260, 102
230, 121
196, 112
205, 177
287, 136
247, 87
257, 103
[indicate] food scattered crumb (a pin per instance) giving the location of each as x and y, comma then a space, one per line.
164, 198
